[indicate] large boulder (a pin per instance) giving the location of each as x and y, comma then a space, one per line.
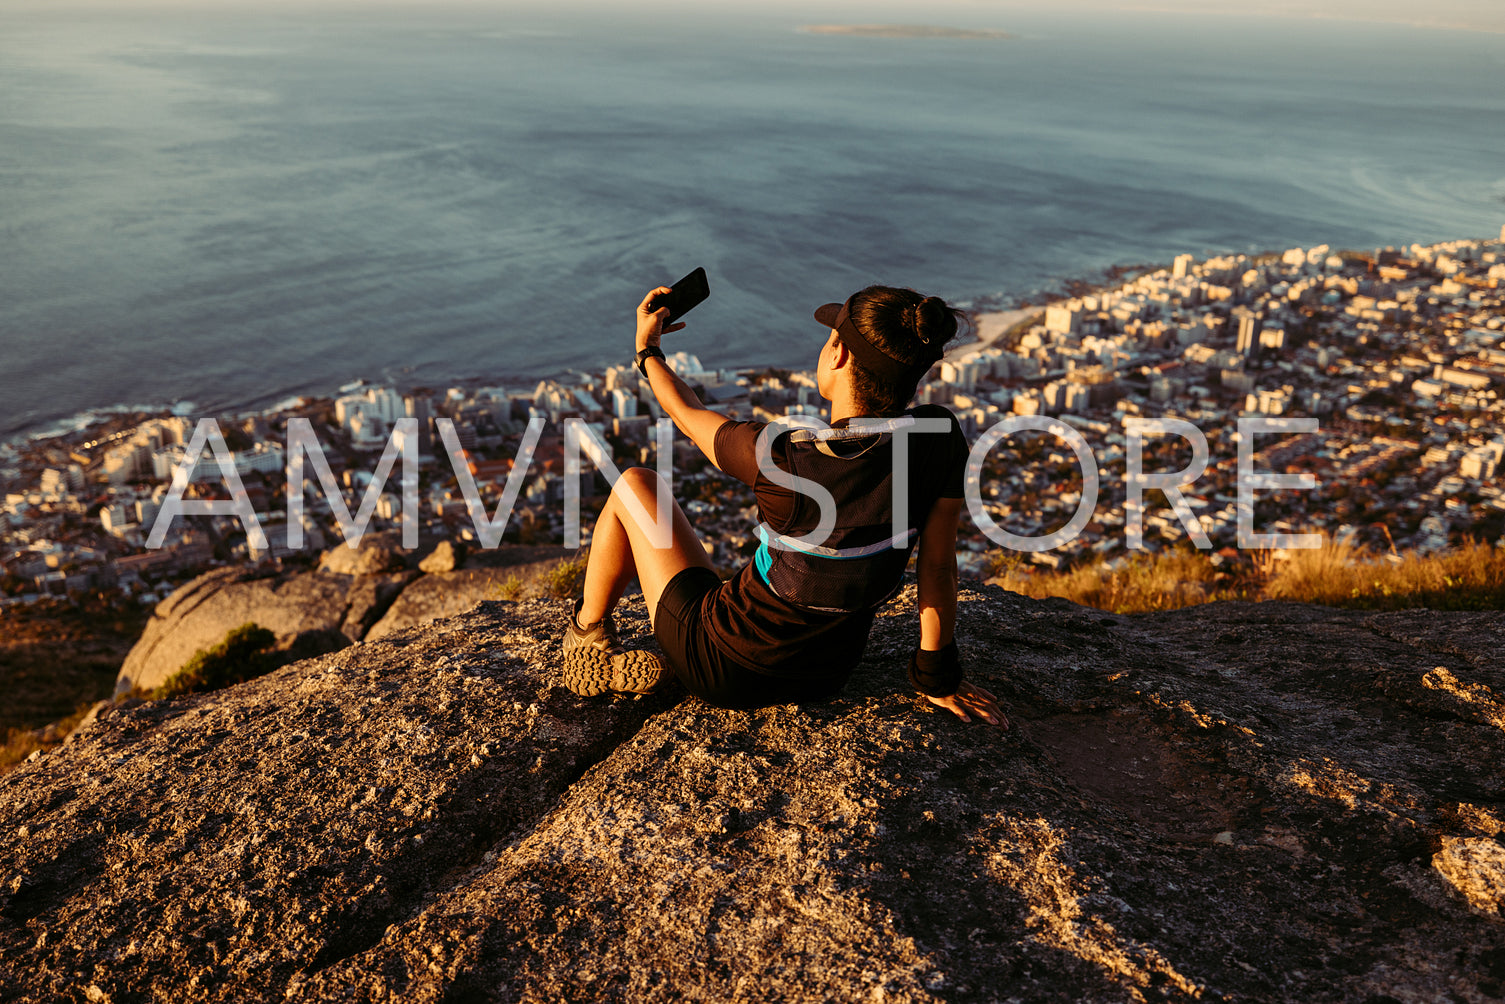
1265, 802
446, 557
306, 609
369, 599
372, 558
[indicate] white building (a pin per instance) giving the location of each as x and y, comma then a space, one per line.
118, 518
1483, 462
126, 462
585, 402
1064, 318
367, 432
1462, 378
961, 374
685, 365
381, 403
386, 404
347, 407
1431, 536
263, 457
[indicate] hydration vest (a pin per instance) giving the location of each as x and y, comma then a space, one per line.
860, 566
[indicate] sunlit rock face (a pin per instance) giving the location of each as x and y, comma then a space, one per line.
1237, 801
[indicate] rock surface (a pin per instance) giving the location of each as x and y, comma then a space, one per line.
1267, 802
1475, 867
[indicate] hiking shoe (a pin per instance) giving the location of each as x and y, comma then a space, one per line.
595, 662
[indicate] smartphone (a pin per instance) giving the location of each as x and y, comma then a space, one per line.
683, 295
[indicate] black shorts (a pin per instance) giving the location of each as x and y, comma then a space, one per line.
705, 670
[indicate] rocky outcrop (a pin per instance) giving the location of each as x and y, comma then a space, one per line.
307, 610
446, 558
354, 594
370, 597
1264, 802
372, 558
440, 594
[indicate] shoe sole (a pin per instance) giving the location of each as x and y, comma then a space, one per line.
589, 671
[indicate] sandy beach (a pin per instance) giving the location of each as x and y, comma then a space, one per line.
990, 327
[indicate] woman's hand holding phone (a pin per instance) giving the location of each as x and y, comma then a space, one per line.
651, 322
667, 304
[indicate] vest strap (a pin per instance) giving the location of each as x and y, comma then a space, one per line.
779, 542
852, 431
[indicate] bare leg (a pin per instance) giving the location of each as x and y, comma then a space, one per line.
621, 550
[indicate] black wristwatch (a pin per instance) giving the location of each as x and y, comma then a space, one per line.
651, 352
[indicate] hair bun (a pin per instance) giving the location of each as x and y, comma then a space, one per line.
934, 322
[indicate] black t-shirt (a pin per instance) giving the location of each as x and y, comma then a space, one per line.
752, 624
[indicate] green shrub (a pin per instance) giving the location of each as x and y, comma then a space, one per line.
245, 653
510, 588
564, 578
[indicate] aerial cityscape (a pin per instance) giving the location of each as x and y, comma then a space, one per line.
1397, 352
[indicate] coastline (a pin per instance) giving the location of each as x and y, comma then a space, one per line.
990, 326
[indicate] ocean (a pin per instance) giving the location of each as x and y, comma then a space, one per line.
231, 205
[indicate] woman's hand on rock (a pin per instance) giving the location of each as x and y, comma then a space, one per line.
651, 322
970, 700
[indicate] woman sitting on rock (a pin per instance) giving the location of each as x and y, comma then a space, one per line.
792, 623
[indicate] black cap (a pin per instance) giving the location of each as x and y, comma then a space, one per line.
872, 358
831, 314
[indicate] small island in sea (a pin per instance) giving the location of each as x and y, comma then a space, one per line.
902, 31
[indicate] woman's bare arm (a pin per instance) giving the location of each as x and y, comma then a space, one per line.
936, 567
679, 402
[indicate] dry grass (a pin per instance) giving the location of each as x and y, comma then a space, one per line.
22, 743
244, 653
1138, 584
1470, 577
55, 656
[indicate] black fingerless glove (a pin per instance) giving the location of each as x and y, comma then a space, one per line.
936, 674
